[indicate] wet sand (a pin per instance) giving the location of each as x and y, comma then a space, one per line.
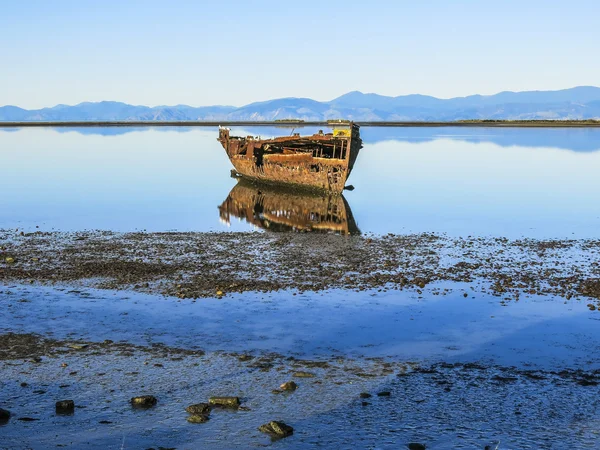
477, 341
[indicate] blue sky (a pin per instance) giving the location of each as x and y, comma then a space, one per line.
236, 52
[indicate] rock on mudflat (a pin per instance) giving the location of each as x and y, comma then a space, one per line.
275, 428
4, 416
289, 386
416, 446
225, 402
365, 395
198, 418
199, 408
65, 407
384, 394
303, 374
144, 401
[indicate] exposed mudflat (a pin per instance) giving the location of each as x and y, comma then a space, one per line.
337, 404
471, 343
194, 265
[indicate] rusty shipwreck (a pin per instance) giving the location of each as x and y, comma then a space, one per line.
283, 209
322, 161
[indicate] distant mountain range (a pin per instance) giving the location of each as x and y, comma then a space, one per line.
576, 103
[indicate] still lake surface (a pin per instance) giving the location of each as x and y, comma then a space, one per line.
461, 181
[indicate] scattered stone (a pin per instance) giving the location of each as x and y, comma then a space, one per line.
78, 346
4, 416
198, 418
144, 401
9, 260
303, 374
365, 395
384, 394
199, 408
105, 422
289, 386
27, 419
275, 428
65, 407
24, 384
225, 402
416, 446
365, 403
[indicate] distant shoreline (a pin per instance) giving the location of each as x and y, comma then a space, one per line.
467, 123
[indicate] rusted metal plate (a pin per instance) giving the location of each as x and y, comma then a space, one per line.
322, 161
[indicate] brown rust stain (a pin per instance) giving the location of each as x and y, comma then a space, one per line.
322, 161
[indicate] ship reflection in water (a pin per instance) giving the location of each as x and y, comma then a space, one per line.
279, 209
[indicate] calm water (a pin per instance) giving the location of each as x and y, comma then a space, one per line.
475, 181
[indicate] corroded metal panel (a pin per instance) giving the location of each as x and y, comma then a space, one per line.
321, 161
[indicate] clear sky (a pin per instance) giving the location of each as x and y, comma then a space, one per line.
234, 52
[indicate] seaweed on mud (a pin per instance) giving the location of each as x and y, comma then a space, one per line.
194, 265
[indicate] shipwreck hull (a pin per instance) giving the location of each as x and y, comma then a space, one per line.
284, 210
321, 161
322, 178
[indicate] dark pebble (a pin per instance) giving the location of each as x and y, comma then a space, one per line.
416, 446
4, 416
65, 407
384, 394
199, 408
275, 428
144, 401
365, 395
289, 386
198, 418
225, 402
302, 374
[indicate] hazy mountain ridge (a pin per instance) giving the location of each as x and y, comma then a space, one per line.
576, 103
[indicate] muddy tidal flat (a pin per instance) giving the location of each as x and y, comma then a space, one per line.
394, 341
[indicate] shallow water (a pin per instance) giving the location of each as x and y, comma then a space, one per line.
536, 332
458, 405
461, 181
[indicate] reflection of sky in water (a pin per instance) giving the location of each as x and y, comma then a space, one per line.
513, 182
536, 331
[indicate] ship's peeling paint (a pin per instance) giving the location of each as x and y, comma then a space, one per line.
322, 161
